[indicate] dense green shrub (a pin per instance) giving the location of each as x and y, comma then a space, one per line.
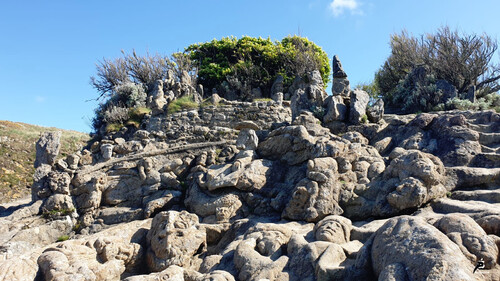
463, 60
229, 64
417, 93
247, 63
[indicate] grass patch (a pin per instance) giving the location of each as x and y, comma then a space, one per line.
181, 104
263, 99
114, 127
17, 155
136, 115
57, 212
62, 238
207, 102
364, 119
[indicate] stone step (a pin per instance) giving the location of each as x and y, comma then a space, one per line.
480, 128
489, 138
486, 160
490, 149
489, 196
475, 209
114, 215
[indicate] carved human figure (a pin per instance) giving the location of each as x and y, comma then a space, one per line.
175, 238
335, 229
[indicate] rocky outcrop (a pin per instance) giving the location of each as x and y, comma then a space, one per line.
409, 248
241, 191
309, 96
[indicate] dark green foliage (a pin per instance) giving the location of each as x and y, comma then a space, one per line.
247, 63
463, 60
417, 92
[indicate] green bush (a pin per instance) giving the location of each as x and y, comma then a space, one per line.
490, 101
247, 63
417, 92
463, 60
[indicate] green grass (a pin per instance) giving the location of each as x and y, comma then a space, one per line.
114, 127
136, 115
56, 212
17, 155
207, 102
62, 238
263, 99
182, 104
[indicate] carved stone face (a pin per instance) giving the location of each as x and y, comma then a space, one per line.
270, 242
333, 229
174, 239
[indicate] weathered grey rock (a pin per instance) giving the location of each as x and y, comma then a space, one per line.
277, 86
490, 224
44, 234
471, 94
100, 259
107, 151
447, 90
473, 241
247, 124
337, 70
309, 97
59, 182
157, 98
335, 229
425, 252
47, 148
359, 102
175, 238
215, 98
86, 158
200, 91
212, 207
40, 188
336, 110
340, 87
376, 111
59, 204
247, 140
73, 160
87, 194
355, 137
171, 273
259, 255
421, 177
318, 195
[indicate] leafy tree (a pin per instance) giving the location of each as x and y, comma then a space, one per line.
249, 62
464, 60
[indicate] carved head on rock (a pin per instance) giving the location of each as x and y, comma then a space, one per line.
175, 238
335, 229
269, 238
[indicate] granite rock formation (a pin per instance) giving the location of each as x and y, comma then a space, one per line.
306, 189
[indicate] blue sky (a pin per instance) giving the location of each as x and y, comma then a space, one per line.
48, 49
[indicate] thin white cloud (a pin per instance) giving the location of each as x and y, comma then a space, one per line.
40, 99
338, 7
